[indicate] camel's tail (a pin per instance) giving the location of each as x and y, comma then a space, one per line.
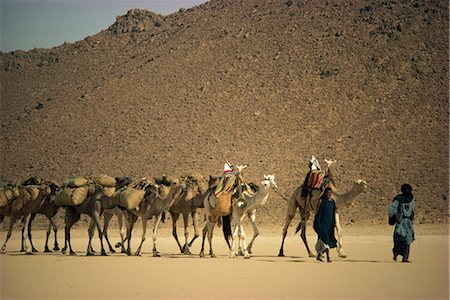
226, 226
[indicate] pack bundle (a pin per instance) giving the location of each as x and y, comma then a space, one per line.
75, 182
129, 197
107, 182
7, 194
74, 192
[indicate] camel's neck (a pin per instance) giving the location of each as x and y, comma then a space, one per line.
347, 198
167, 202
258, 199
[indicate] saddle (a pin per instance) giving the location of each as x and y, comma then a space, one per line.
221, 205
226, 184
315, 180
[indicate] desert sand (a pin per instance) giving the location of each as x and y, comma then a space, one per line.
368, 272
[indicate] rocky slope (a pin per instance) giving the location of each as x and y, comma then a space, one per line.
267, 83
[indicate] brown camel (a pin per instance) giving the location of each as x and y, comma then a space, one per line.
110, 209
157, 200
29, 201
91, 206
189, 203
306, 207
48, 209
216, 207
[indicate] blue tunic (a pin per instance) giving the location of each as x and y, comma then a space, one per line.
404, 208
324, 222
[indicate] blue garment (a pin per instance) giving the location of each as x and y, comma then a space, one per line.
404, 208
324, 222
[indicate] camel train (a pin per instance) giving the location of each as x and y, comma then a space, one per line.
224, 200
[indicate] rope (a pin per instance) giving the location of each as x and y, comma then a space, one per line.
279, 194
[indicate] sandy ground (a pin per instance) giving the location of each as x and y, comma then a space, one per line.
368, 272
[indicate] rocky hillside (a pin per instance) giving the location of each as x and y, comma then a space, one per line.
267, 83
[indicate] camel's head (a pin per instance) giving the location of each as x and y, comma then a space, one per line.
361, 184
240, 168
269, 181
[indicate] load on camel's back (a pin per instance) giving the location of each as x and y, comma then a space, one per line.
8, 193
73, 192
131, 196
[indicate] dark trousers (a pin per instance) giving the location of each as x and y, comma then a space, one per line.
401, 247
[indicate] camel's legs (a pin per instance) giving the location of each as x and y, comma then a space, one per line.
186, 234
303, 223
12, 220
252, 216
96, 217
235, 235
243, 240
130, 220
26, 234
157, 220
49, 231
211, 224
106, 219
339, 247
22, 249
174, 229
91, 230
144, 235
55, 230
72, 216
202, 251
194, 215
122, 231
289, 216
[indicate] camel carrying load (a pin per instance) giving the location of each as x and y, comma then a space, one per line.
73, 193
131, 196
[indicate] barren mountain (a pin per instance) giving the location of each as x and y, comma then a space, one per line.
266, 83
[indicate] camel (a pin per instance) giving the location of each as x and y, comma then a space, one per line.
189, 203
29, 201
48, 209
109, 212
216, 207
153, 205
253, 201
92, 207
307, 207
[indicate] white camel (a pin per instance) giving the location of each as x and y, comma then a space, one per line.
252, 200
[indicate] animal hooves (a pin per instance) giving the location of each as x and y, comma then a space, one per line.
112, 250
118, 245
311, 255
29, 253
34, 250
247, 257
342, 255
103, 253
202, 255
22, 250
73, 253
89, 254
156, 254
281, 254
56, 248
47, 250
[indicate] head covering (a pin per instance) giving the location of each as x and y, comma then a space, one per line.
327, 189
407, 190
227, 167
314, 163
